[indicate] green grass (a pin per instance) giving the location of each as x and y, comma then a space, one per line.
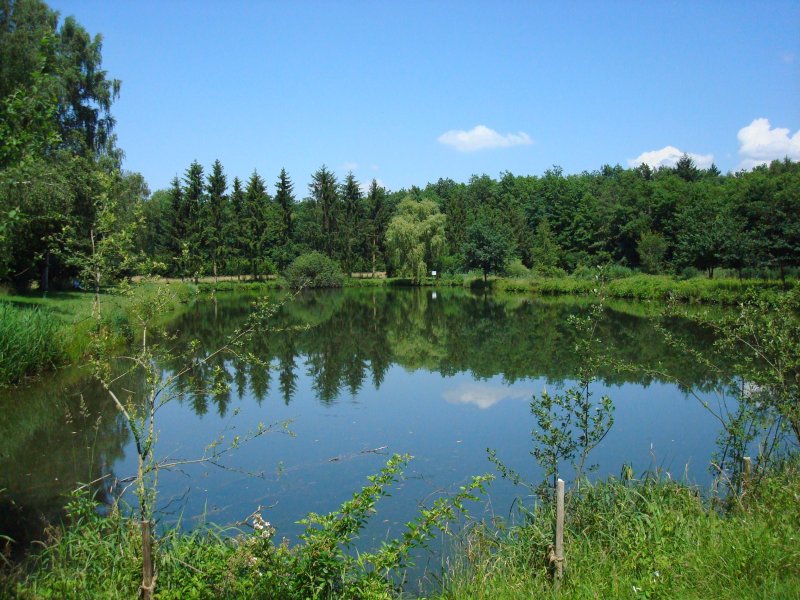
659, 288
647, 539
39, 333
31, 341
651, 287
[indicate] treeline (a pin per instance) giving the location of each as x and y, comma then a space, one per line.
677, 220
68, 212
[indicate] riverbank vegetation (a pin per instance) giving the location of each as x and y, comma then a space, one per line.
39, 333
646, 538
71, 218
650, 537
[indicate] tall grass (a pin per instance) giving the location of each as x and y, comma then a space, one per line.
31, 341
651, 287
644, 539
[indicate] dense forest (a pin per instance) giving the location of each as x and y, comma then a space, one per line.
69, 213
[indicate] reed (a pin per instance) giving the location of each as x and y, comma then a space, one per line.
31, 341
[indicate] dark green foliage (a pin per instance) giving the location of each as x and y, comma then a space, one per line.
652, 248
314, 270
284, 197
324, 192
216, 210
486, 247
546, 252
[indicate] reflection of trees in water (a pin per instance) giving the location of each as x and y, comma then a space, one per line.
54, 434
48, 445
358, 334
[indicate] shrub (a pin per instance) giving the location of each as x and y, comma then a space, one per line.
314, 270
515, 268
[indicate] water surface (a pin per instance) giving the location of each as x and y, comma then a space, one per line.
439, 374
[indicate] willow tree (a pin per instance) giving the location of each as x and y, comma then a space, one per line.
415, 237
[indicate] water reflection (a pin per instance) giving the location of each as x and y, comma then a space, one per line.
355, 336
441, 376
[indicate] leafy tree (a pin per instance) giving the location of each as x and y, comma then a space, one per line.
701, 229
652, 247
486, 247
415, 237
546, 252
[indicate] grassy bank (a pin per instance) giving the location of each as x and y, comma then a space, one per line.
30, 341
644, 539
662, 288
39, 333
649, 538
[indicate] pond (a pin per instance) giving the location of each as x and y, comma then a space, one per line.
362, 373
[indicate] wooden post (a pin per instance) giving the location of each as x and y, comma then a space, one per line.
559, 531
147, 562
747, 469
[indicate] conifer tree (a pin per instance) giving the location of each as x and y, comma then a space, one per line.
325, 194
378, 215
194, 199
233, 233
253, 221
351, 220
215, 214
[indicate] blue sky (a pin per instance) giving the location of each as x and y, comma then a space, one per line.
408, 92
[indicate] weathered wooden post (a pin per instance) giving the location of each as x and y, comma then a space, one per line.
559, 531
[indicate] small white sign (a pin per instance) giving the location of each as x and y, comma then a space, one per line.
433, 273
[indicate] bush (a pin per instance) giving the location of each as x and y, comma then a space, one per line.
314, 270
616, 271
515, 268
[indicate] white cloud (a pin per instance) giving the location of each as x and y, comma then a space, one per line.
788, 57
759, 144
350, 166
482, 395
481, 137
669, 157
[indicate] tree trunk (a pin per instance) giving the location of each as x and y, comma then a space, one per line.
373, 259
46, 273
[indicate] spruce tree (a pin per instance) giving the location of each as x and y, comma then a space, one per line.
194, 199
253, 222
215, 212
351, 221
378, 215
325, 194
234, 218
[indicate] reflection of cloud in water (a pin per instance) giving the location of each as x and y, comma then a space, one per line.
484, 395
